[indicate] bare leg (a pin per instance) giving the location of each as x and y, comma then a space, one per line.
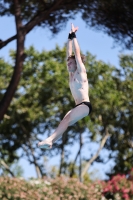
70, 118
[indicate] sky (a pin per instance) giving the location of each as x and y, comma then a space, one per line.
97, 43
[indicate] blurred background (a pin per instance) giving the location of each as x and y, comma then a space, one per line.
42, 97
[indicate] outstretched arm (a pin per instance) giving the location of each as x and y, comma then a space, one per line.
76, 50
69, 42
69, 47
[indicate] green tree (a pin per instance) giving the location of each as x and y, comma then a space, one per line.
122, 141
112, 94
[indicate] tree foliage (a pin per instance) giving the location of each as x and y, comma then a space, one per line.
114, 17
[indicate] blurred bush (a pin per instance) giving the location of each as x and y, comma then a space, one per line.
61, 188
120, 187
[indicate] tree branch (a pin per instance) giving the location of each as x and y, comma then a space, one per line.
38, 169
41, 17
2, 162
4, 43
103, 141
61, 159
37, 19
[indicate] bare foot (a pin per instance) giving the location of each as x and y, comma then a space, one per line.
45, 144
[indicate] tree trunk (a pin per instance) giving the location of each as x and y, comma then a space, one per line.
62, 158
74, 163
5, 102
38, 171
80, 158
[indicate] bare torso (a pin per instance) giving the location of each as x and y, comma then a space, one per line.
79, 87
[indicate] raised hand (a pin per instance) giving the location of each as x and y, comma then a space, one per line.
74, 29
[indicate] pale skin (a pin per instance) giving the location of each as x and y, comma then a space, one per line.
78, 83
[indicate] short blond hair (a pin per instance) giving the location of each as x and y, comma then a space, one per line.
83, 57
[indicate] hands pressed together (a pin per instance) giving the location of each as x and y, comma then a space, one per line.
73, 29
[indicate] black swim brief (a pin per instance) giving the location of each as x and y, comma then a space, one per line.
87, 103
